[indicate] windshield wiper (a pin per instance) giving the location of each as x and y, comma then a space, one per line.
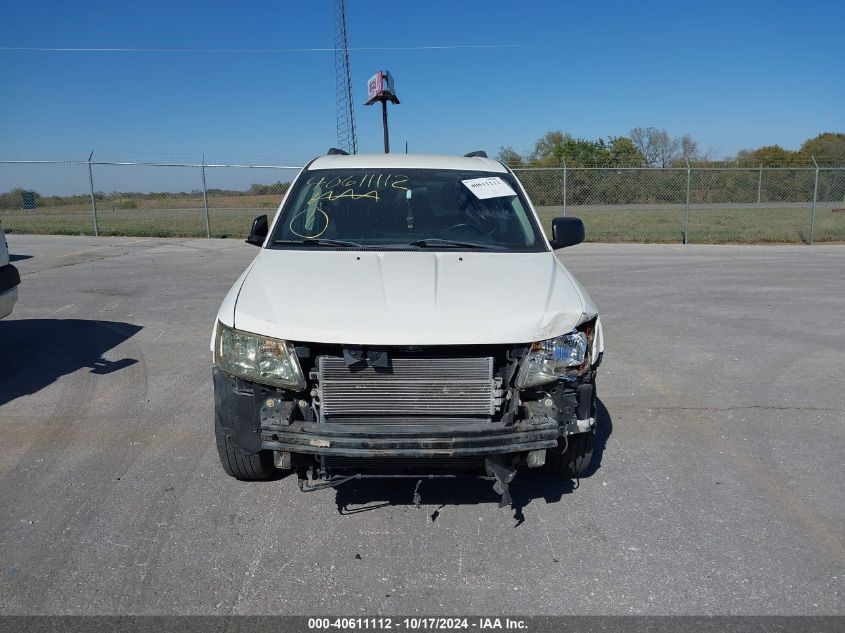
320, 242
434, 242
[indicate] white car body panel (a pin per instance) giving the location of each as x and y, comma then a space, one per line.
368, 297
407, 161
407, 298
226, 313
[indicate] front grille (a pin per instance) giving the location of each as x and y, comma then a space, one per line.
409, 387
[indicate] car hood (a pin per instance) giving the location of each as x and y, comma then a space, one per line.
409, 297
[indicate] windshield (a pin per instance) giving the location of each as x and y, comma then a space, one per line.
402, 208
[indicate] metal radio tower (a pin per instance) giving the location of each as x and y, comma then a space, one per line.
346, 137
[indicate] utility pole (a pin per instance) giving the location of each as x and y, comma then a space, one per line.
384, 124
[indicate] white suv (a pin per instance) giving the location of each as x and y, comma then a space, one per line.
9, 279
406, 317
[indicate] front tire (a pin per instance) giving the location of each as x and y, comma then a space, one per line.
575, 460
240, 464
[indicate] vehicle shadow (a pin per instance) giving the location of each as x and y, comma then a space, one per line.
18, 258
604, 428
366, 495
36, 352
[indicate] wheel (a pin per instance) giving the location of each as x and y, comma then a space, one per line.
575, 460
238, 463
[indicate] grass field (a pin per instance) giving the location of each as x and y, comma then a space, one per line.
708, 223
231, 216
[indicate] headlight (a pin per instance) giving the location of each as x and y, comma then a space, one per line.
553, 359
260, 358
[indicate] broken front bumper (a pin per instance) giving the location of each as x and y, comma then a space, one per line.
241, 408
408, 440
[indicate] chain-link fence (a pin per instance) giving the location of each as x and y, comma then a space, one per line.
232, 206
139, 199
693, 205
696, 204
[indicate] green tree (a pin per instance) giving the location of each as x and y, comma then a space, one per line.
828, 147
770, 156
510, 157
555, 147
274, 189
548, 150
624, 153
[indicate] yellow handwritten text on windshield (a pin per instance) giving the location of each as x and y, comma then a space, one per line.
357, 187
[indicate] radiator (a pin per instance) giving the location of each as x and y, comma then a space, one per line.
409, 387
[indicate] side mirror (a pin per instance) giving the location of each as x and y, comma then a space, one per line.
259, 231
566, 232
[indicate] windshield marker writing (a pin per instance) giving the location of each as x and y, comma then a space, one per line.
397, 183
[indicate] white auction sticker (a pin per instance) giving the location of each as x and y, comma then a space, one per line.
491, 187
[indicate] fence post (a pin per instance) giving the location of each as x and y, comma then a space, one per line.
205, 199
93, 200
815, 197
759, 184
686, 207
564, 187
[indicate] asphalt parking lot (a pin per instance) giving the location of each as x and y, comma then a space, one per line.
718, 490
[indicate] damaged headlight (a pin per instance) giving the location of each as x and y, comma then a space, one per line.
263, 359
553, 359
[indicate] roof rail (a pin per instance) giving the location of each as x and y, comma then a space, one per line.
333, 151
479, 153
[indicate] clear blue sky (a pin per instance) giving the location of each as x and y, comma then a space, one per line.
732, 74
